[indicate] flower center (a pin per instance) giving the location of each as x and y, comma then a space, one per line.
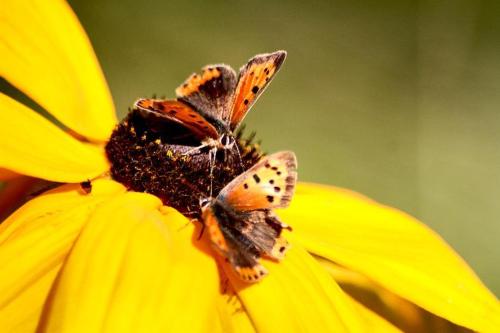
148, 154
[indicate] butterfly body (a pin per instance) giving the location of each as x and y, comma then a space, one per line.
213, 104
240, 220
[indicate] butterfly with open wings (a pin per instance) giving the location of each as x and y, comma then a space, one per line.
241, 224
212, 105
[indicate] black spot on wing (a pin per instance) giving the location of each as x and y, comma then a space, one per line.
256, 178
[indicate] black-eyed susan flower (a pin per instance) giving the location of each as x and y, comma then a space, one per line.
115, 260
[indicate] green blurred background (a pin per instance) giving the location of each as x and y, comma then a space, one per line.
398, 100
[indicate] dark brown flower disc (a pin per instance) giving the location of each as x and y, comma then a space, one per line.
150, 155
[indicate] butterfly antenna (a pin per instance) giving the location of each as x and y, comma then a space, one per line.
239, 156
212, 155
195, 149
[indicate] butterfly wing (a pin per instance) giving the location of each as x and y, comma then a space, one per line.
263, 229
181, 113
268, 184
210, 92
232, 244
253, 79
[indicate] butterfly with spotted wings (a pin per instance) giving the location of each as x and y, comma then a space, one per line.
241, 224
212, 105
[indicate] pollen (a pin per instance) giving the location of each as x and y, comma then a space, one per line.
153, 156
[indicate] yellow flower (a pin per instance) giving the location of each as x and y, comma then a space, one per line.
114, 260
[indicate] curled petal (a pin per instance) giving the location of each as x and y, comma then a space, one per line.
33, 244
394, 250
47, 55
135, 267
35, 147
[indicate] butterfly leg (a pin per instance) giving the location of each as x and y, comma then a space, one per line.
228, 142
202, 229
196, 149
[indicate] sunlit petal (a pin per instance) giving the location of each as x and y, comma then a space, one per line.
33, 243
33, 146
136, 267
297, 295
233, 316
46, 54
393, 249
400, 312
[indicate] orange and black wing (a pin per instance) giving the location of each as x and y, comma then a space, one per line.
181, 113
268, 184
253, 79
229, 241
210, 92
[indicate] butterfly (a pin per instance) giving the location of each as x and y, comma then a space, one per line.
212, 105
240, 220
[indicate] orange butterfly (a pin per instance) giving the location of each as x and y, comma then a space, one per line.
212, 105
240, 221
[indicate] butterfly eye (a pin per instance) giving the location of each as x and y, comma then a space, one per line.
226, 141
204, 202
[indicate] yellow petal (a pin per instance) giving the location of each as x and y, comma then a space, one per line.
31, 145
33, 243
400, 312
393, 249
136, 267
298, 295
46, 55
232, 313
